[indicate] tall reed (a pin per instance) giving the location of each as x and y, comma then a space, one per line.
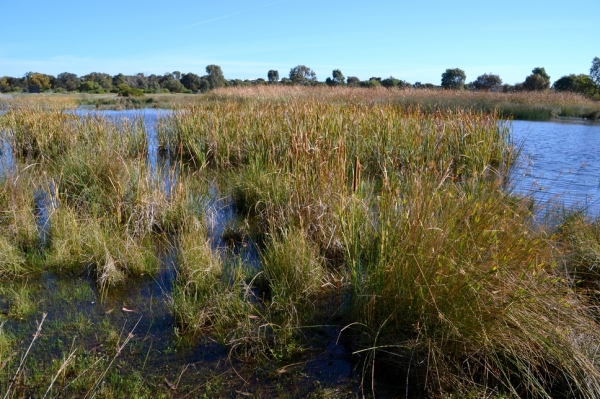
450, 288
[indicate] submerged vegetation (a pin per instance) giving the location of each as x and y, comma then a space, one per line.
381, 221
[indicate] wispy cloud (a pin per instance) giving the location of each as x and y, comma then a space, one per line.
231, 15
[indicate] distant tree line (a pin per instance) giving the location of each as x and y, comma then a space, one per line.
126, 85
177, 82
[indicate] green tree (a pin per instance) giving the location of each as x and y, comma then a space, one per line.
303, 75
174, 86
9, 84
595, 72
103, 79
124, 90
215, 77
38, 79
577, 84
535, 82
191, 81
541, 72
353, 81
337, 78
5, 86
419, 85
392, 82
373, 82
139, 81
487, 82
89, 86
119, 79
538, 80
273, 76
66, 80
454, 79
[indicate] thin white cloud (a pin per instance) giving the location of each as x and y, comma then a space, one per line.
231, 15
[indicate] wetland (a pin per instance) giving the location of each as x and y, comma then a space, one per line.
292, 246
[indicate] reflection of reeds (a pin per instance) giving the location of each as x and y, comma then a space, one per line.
108, 205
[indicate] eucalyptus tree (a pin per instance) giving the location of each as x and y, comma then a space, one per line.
215, 76
66, 80
38, 79
595, 72
487, 82
119, 79
273, 76
353, 81
11, 84
191, 81
337, 78
454, 79
392, 82
577, 84
303, 75
103, 79
538, 80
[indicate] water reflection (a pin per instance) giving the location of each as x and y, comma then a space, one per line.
7, 161
560, 162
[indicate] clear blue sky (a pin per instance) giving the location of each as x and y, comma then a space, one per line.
412, 40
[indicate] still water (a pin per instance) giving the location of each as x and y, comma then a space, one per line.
559, 163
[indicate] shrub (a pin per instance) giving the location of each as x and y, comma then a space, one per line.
125, 90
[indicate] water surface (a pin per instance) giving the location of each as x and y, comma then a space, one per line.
560, 162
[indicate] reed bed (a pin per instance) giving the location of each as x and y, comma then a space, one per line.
380, 216
579, 236
515, 105
104, 204
17, 221
394, 219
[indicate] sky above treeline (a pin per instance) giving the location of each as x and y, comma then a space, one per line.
411, 40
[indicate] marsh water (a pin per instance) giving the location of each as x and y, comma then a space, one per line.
559, 163
79, 314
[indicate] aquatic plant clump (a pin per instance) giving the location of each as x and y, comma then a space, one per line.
451, 289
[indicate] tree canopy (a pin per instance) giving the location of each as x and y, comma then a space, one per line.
353, 81
273, 76
393, 82
535, 82
576, 83
302, 75
215, 77
541, 72
177, 82
66, 80
595, 72
193, 82
337, 78
538, 80
487, 82
454, 79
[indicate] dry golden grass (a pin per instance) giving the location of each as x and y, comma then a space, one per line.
520, 105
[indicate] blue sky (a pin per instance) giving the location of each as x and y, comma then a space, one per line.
410, 40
